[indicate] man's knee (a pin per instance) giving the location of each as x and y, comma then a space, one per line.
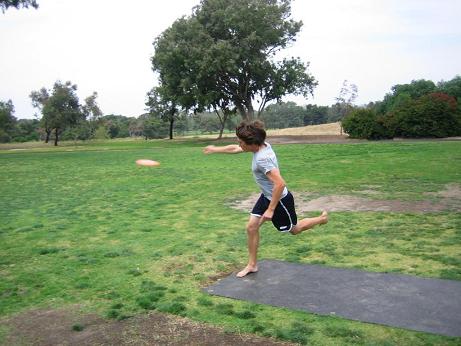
252, 227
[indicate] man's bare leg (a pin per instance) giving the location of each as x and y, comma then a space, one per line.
309, 223
253, 243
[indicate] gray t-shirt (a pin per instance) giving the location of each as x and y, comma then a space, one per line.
263, 162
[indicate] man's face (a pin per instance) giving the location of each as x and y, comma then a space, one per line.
247, 147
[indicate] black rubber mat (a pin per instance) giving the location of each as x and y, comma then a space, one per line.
422, 304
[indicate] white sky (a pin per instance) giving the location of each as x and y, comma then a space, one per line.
106, 45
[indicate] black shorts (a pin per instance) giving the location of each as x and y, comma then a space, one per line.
284, 214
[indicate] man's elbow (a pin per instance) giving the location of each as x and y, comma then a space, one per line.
280, 184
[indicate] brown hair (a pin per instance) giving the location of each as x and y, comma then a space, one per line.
251, 132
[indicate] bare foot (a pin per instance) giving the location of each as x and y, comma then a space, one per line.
324, 217
247, 270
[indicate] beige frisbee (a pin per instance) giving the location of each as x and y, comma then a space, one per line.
149, 163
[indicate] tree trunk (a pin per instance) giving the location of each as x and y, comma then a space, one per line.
48, 134
242, 112
56, 134
250, 110
171, 128
222, 121
221, 131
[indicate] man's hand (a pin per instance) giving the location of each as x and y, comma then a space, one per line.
267, 216
210, 149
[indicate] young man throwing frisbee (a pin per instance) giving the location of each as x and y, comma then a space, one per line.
276, 203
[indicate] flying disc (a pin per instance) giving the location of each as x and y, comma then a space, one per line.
144, 162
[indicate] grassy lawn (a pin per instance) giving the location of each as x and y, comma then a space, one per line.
82, 224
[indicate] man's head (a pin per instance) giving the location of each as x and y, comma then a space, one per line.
251, 132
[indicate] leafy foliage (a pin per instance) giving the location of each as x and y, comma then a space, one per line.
162, 106
7, 120
418, 109
222, 58
283, 115
432, 115
26, 130
5, 4
315, 115
401, 93
365, 123
452, 88
60, 108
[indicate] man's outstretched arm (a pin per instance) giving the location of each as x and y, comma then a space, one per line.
227, 149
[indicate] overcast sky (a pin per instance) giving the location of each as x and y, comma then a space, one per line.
106, 45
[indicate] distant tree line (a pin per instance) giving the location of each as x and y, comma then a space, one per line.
418, 109
92, 125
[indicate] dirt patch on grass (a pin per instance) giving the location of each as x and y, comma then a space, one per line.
322, 129
311, 139
449, 199
69, 327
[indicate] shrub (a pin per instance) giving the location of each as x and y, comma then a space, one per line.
4, 137
364, 123
432, 115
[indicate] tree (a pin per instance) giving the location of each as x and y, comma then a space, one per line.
402, 93
282, 115
345, 100
5, 4
136, 127
60, 108
92, 112
39, 99
222, 57
153, 127
7, 120
164, 106
315, 115
26, 130
452, 88
117, 125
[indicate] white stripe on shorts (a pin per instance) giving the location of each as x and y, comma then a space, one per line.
289, 216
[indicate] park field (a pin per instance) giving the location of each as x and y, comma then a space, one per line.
83, 226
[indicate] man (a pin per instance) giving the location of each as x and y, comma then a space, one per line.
276, 203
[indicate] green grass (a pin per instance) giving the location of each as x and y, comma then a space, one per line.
84, 225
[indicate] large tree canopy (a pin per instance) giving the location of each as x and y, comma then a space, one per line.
403, 93
60, 107
223, 56
5, 4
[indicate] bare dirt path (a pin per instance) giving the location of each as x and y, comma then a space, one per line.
56, 327
448, 199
